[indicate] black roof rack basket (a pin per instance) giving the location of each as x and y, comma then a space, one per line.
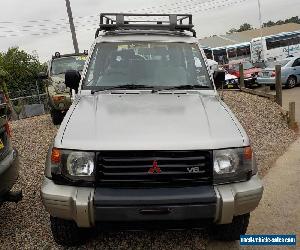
130, 21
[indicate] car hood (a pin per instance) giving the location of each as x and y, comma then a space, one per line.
150, 122
230, 76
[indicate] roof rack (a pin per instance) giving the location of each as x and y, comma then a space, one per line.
58, 55
126, 21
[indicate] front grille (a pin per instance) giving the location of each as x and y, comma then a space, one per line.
154, 168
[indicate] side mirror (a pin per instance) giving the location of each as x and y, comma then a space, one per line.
72, 79
42, 76
219, 78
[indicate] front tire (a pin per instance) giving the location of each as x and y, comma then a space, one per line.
291, 82
67, 233
232, 231
57, 116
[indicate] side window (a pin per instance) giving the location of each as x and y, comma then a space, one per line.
296, 63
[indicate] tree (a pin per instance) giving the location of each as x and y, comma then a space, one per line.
294, 19
233, 30
18, 72
268, 24
244, 27
21, 69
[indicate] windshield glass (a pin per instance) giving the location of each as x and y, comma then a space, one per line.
272, 64
61, 65
246, 65
141, 63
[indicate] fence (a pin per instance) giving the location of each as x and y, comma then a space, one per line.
277, 97
30, 102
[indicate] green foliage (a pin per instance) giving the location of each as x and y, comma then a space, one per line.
294, 19
19, 69
243, 27
247, 26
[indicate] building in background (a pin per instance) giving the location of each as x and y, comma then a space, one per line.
278, 42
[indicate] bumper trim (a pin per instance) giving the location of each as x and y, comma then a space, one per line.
237, 199
68, 202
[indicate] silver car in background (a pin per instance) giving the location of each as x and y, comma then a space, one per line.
290, 73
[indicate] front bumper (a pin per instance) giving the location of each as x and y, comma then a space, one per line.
87, 206
9, 172
270, 80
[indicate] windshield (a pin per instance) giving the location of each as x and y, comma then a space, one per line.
61, 65
246, 65
274, 63
151, 64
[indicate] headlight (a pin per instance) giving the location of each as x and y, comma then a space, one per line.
80, 163
72, 165
233, 165
225, 161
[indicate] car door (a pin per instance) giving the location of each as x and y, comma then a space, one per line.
296, 69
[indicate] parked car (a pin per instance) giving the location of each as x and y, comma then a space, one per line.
231, 81
250, 72
290, 73
58, 95
148, 142
9, 161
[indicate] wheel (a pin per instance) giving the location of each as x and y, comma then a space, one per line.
232, 231
291, 82
67, 233
57, 116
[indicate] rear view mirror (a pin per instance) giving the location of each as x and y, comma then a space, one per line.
219, 78
42, 76
72, 79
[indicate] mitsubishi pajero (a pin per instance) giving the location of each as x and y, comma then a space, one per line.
147, 141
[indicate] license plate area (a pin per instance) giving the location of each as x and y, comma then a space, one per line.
155, 213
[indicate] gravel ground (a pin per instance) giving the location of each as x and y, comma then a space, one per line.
265, 125
26, 225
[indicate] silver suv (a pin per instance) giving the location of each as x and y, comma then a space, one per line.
147, 141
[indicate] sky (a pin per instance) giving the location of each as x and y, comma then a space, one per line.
41, 26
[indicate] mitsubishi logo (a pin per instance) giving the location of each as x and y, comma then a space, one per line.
155, 168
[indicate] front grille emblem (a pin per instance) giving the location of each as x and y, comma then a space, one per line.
155, 168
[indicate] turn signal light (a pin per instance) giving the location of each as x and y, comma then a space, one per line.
58, 98
55, 156
248, 153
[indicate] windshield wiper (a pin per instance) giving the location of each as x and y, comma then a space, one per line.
188, 86
124, 86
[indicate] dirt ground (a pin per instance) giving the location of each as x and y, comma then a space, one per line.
26, 225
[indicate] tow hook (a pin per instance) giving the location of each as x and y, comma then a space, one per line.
13, 196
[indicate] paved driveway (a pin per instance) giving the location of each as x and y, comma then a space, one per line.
278, 211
